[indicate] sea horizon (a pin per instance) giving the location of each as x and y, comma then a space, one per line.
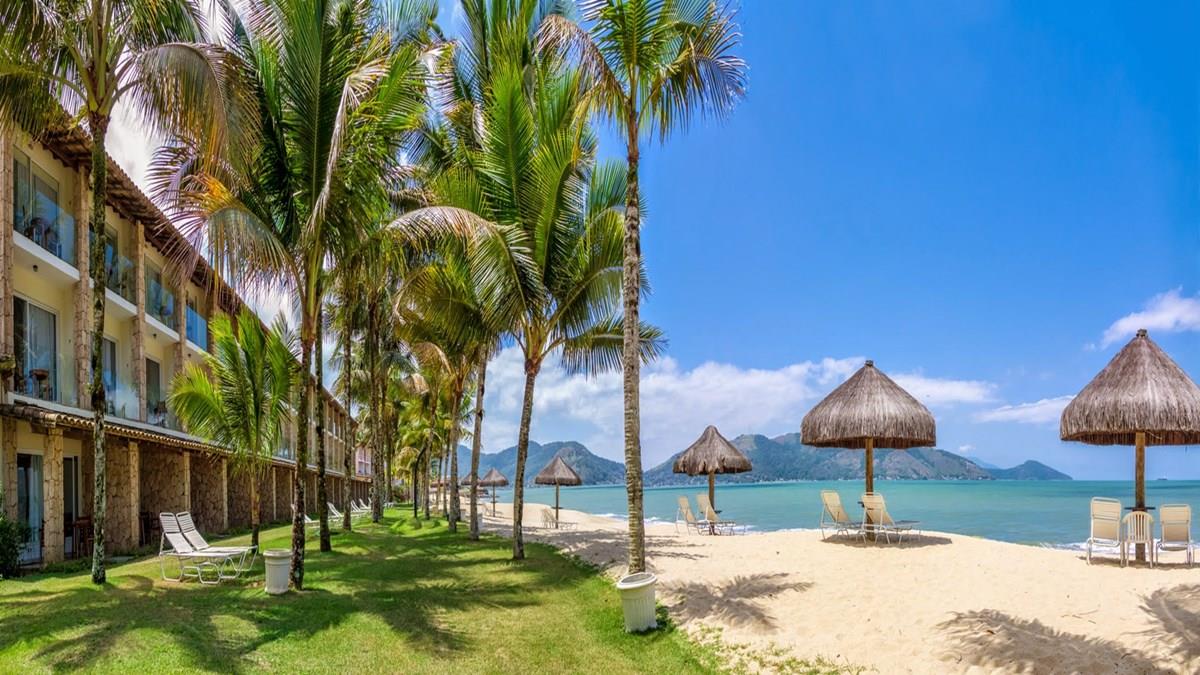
1039, 513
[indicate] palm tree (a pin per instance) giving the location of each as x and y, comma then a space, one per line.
241, 399
337, 88
516, 151
651, 66
65, 62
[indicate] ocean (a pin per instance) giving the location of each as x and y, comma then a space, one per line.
1053, 513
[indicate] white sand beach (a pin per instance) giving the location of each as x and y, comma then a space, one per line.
945, 603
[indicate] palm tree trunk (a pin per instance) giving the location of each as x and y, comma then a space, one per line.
531, 372
99, 129
376, 413
255, 477
476, 446
455, 407
348, 454
322, 489
425, 475
416, 486
632, 355
301, 476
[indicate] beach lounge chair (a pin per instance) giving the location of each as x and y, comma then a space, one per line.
1137, 528
1176, 529
715, 524
208, 567
690, 522
1106, 525
187, 526
308, 522
834, 517
359, 507
877, 520
549, 521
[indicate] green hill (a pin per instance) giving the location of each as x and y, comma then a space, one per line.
593, 469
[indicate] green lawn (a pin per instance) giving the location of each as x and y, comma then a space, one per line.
388, 598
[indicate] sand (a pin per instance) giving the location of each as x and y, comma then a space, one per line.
944, 603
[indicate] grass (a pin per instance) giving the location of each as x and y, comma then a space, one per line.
390, 597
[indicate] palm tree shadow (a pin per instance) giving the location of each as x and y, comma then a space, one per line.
992, 639
1176, 614
735, 602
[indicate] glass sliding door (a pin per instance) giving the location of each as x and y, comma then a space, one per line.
156, 408
35, 333
29, 504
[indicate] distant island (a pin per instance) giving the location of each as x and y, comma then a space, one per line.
783, 458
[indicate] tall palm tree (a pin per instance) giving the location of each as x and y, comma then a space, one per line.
651, 66
68, 62
241, 399
338, 86
517, 152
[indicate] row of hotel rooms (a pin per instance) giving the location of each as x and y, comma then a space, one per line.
153, 327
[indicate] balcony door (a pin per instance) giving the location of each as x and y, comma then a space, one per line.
155, 407
29, 504
36, 333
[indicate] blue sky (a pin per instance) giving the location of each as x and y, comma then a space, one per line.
985, 198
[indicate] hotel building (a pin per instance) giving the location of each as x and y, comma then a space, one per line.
153, 326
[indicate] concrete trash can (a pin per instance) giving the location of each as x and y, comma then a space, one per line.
279, 566
637, 599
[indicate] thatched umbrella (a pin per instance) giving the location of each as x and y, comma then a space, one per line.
1141, 398
711, 454
869, 410
557, 473
493, 479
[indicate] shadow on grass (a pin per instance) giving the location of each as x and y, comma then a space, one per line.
411, 581
735, 602
996, 640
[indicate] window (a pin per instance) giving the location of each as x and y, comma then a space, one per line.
109, 376
36, 212
35, 333
156, 408
160, 301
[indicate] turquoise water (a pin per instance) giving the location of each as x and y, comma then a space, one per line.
1031, 512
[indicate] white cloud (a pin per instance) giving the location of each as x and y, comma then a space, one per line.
966, 449
1044, 411
131, 145
678, 403
1169, 312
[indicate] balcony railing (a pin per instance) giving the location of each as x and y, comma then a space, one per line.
38, 377
160, 303
197, 328
120, 277
159, 415
51, 228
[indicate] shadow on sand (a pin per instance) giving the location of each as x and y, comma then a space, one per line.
735, 602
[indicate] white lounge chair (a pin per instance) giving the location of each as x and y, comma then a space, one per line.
690, 522
308, 522
192, 563
358, 507
877, 520
715, 524
552, 523
1106, 524
188, 528
1175, 523
1137, 528
834, 517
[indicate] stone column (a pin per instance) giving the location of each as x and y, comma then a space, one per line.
9, 447
139, 320
135, 494
84, 319
52, 496
186, 481
6, 221
87, 473
224, 478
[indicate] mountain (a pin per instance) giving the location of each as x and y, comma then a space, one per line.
594, 470
786, 458
1029, 470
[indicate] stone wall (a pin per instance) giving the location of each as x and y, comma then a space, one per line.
122, 525
239, 498
8, 448
210, 496
52, 495
283, 493
165, 480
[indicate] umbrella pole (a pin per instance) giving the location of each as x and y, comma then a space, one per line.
870, 483
1139, 483
556, 505
712, 494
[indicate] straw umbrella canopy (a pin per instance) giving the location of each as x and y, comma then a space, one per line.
1141, 398
493, 479
865, 412
711, 454
557, 473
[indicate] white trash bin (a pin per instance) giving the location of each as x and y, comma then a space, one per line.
637, 599
279, 566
